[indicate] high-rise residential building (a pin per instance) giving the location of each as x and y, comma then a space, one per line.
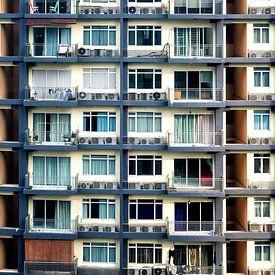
137, 137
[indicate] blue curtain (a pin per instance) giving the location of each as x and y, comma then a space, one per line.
257, 122
86, 165
103, 209
39, 126
64, 215
100, 36
112, 167
112, 255
99, 166
86, 254
64, 171
53, 134
102, 122
39, 171
64, 126
112, 124
51, 171
144, 122
99, 254
65, 36
112, 208
51, 41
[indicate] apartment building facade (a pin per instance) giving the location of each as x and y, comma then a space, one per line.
137, 137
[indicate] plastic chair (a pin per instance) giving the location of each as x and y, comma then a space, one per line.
33, 9
53, 9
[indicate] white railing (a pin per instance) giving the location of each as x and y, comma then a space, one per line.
195, 94
261, 140
86, 184
193, 7
199, 50
158, 140
144, 228
261, 96
134, 9
196, 138
52, 93
195, 227
51, 182
109, 140
49, 7
145, 185
253, 184
261, 10
261, 53
157, 95
97, 94
178, 183
93, 227
261, 227
95, 8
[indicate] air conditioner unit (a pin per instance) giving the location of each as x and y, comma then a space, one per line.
159, 270
144, 10
145, 271
133, 140
156, 96
132, 185
145, 229
157, 140
266, 141
254, 185
157, 229
252, 97
144, 141
267, 54
253, 10
96, 185
112, 96
145, 186
254, 227
132, 96
132, 10
269, 272
268, 97
83, 95
254, 140
84, 185
132, 271
110, 185
252, 54
158, 185
84, 52
83, 140
144, 96
267, 10
110, 140
100, 96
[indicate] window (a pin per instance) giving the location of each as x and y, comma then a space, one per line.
99, 165
261, 163
145, 79
144, 1
262, 251
144, 35
99, 35
98, 208
261, 77
194, 128
261, 120
51, 127
193, 172
145, 165
145, 253
193, 42
99, 1
52, 214
99, 121
97, 252
145, 209
99, 78
145, 122
262, 207
194, 85
193, 7
54, 171
261, 33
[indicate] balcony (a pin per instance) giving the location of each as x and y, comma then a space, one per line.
261, 227
93, 140
253, 271
97, 185
261, 96
151, 53
52, 93
179, 184
57, 268
36, 225
157, 140
144, 228
211, 228
198, 50
261, 54
261, 140
195, 94
96, 8
51, 183
192, 7
261, 10
145, 96
102, 95
50, 7
51, 50
88, 51
51, 137
261, 184
196, 139
85, 226
145, 185
134, 9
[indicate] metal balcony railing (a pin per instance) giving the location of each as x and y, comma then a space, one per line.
86, 184
211, 228
261, 10
57, 183
51, 137
93, 227
195, 94
157, 140
52, 93
261, 140
145, 228
177, 184
261, 227
185, 269
196, 138
92, 51
99, 94
51, 225
51, 50
261, 96
193, 7
149, 53
198, 50
134, 9
157, 95
95, 8
145, 185
57, 268
50, 7
261, 53
253, 184
109, 140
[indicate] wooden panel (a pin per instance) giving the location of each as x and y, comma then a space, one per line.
49, 250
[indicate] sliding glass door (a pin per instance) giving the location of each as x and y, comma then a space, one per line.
47, 40
194, 129
190, 42
53, 171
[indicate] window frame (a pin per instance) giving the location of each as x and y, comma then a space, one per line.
91, 28
262, 157
137, 158
261, 71
142, 28
91, 115
135, 116
262, 245
261, 28
261, 114
261, 201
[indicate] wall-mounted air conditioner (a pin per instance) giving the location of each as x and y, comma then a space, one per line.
110, 140
83, 140
133, 140
267, 10
254, 140
252, 54
267, 54
144, 141
255, 227
265, 141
